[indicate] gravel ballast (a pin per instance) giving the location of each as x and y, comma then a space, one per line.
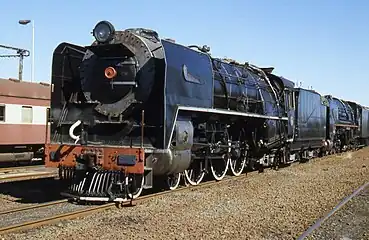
38, 214
349, 222
26, 193
272, 205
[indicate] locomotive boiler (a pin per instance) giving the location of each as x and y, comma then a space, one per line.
341, 125
132, 108
361, 120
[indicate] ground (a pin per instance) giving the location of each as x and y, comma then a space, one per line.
349, 222
271, 205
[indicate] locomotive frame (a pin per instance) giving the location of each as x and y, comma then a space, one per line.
133, 108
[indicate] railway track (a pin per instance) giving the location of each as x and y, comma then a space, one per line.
26, 173
78, 210
27, 177
17, 169
33, 207
320, 221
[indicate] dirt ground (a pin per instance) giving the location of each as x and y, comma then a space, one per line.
349, 222
271, 205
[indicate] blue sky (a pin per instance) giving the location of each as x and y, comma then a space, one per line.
323, 44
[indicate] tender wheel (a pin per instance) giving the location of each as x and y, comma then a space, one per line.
135, 191
219, 167
195, 174
173, 181
237, 165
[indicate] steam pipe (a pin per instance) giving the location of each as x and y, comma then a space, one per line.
142, 127
71, 130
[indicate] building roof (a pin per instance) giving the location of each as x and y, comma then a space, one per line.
22, 89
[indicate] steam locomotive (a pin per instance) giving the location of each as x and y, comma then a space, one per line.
133, 109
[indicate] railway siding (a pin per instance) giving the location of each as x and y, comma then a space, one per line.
272, 205
35, 214
26, 173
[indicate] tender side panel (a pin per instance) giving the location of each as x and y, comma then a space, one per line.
365, 123
311, 115
189, 82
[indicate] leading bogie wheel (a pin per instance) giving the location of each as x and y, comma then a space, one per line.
135, 192
173, 181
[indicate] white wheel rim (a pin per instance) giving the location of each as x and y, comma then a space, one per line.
139, 191
188, 178
176, 183
213, 171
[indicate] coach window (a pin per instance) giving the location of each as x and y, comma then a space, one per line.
2, 113
27, 114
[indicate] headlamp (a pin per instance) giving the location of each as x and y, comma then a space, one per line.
103, 31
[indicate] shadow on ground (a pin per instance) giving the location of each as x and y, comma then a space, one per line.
32, 191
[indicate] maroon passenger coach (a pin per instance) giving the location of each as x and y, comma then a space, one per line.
24, 108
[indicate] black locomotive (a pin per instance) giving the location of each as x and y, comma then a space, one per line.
133, 108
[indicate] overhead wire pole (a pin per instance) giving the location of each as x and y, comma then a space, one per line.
21, 53
25, 22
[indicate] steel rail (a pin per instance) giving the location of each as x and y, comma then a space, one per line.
84, 212
52, 219
13, 169
20, 209
320, 221
28, 177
